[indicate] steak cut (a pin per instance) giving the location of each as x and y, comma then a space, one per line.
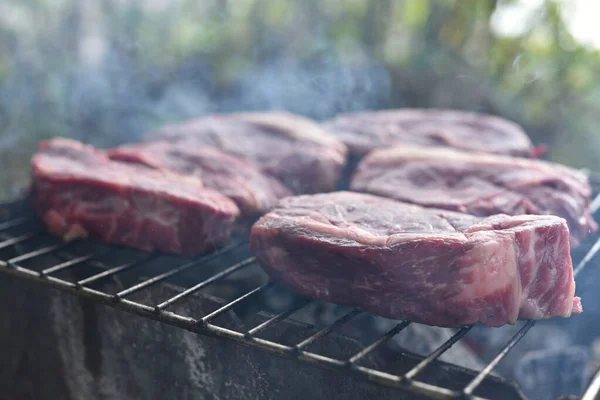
478, 184
79, 192
403, 261
293, 149
366, 131
240, 180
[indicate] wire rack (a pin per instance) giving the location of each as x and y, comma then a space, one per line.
409, 381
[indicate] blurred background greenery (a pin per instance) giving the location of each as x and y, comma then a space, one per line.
105, 71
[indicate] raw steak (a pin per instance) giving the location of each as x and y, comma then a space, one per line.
293, 149
366, 131
403, 261
478, 184
240, 180
80, 192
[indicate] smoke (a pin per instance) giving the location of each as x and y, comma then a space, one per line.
112, 89
113, 103
319, 89
552, 372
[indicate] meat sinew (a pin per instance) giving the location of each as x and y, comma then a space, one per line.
478, 184
366, 131
404, 261
293, 149
79, 192
240, 180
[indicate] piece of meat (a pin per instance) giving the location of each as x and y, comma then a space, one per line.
79, 192
403, 261
478, 184
240, 180
366, 131
293, 149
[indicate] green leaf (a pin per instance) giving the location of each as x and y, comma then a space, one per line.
416, 12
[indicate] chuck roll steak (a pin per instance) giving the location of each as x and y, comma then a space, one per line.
431, 266
293, 149
79, 192
253, 192
369, 130
478, 184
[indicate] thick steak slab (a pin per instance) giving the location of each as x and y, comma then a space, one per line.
293, 149
403, 261
79, 192
478, 184
240, 180
366, 131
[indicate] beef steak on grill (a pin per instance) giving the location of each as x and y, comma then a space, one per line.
240, 180
293, 149
403, 261
79, 192
478, 184
366, 131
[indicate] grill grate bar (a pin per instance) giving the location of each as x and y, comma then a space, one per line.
328, 329
206, 319
14, 223
248, 261
438, 352
593, 388
276, 318
37, 253
162, 277
204, 325
115, 270
373, 374
192, 325
67, 264
18, 239
384, 338
468, 390
588, 257
432, 391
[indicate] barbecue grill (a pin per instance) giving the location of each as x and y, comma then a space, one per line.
83, 269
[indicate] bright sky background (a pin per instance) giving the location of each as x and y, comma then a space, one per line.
582, 18
584, 21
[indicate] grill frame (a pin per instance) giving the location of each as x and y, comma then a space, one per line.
206, 325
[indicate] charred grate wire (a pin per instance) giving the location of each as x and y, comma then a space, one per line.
205, 324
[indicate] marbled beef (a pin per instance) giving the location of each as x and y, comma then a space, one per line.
404, 261
293, 149
366, 131
79, 192
478, 184
240, 180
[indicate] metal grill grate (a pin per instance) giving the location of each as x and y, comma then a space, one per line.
18, 226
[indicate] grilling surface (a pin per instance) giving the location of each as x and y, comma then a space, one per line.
160, 195
24, 244
196, 208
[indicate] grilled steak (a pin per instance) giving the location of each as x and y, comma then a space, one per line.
403, 261
478, 184
240, 180
79, 192
293, 149
366, 131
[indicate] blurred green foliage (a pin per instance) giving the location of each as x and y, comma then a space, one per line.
100, 70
